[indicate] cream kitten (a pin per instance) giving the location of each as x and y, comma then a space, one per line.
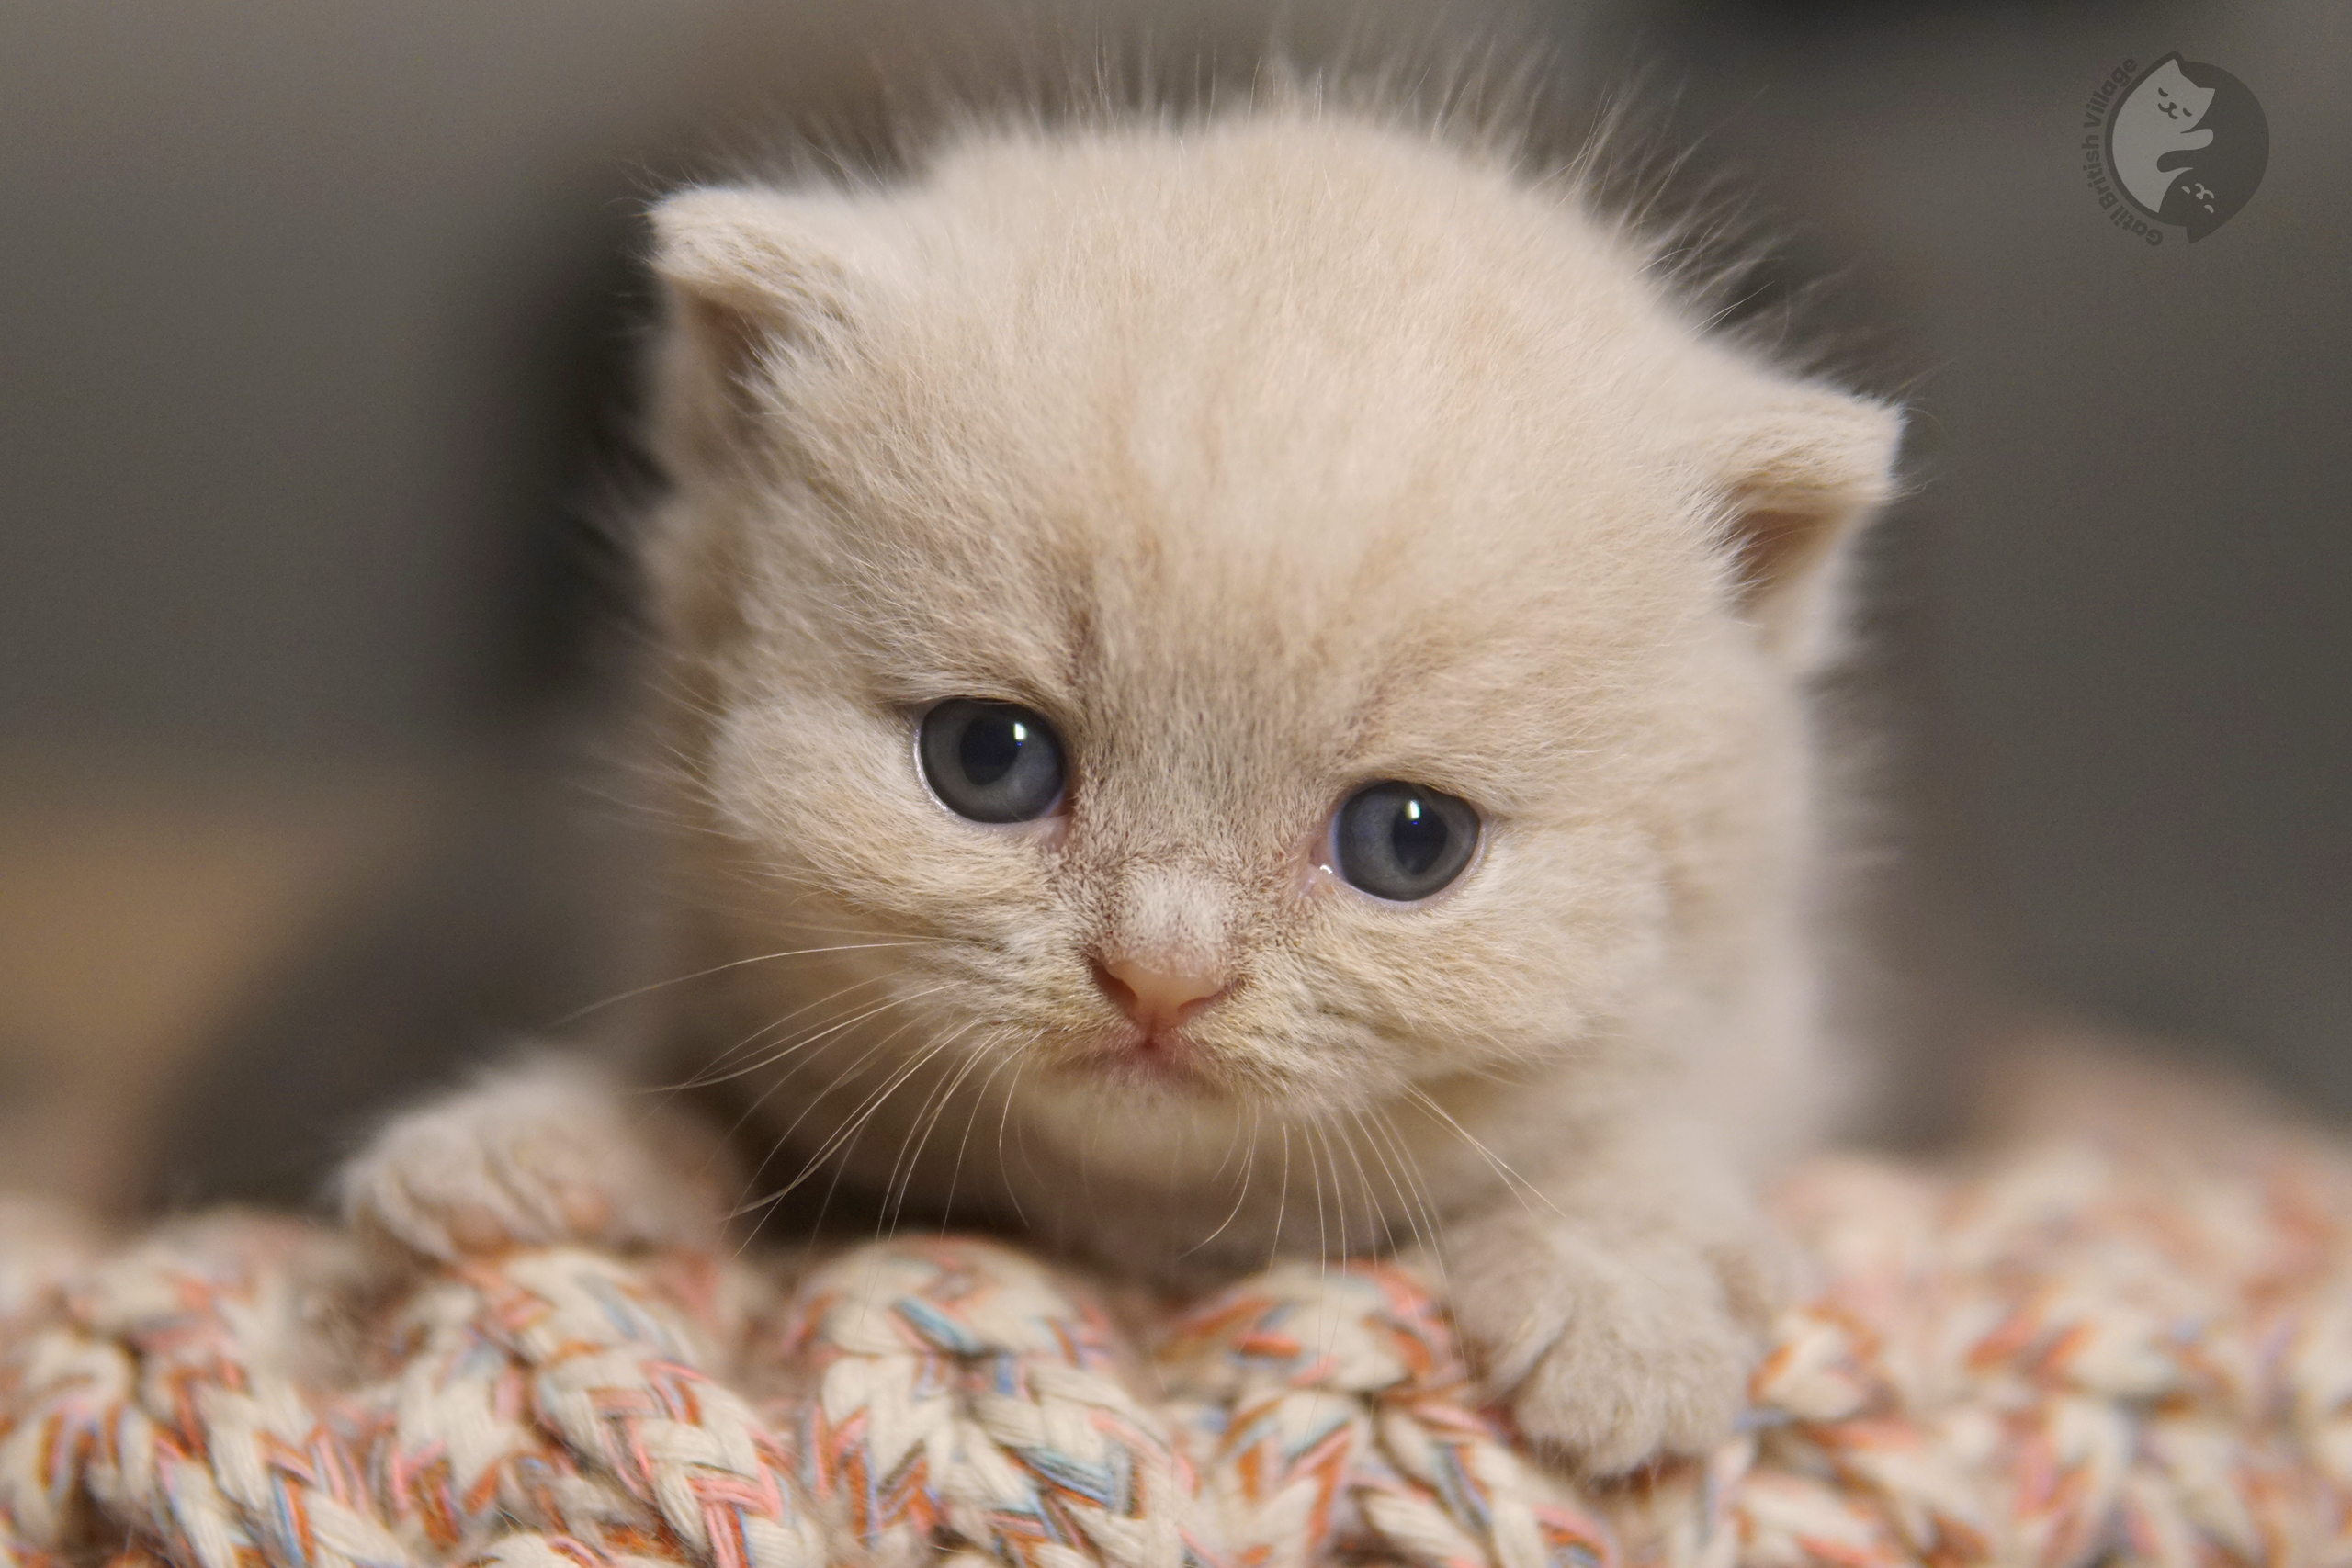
1238, 691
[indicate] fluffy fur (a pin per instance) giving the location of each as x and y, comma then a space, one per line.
1267, 455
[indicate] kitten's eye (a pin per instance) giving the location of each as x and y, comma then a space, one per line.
1403, 843
991, 761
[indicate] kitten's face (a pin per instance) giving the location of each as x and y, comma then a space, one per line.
1250, 491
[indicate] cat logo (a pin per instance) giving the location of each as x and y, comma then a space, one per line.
2180, 144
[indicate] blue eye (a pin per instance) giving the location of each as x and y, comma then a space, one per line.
991, 761
1402, 841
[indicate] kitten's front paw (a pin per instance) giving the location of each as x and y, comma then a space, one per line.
1612, 1354
548, 1153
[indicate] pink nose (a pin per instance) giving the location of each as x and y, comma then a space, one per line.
1156, 995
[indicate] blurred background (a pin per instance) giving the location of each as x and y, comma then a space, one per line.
314, 381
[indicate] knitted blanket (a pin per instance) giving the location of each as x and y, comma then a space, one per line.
2074, 1352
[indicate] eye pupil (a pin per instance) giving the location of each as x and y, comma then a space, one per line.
991, 761
1403, 843
991, 746
1418, 838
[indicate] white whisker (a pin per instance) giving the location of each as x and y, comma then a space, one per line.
781, 1050
1248, 1163
721, 968
1425, 1224
865, 1111
1519, 1185
894, 1207
701, 1078
1282, 1200
1010, 1089
1322, 1224
1376, 1215
963, 1147
840, 1080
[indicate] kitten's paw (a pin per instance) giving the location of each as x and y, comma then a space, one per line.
552, 1152
1613, 1355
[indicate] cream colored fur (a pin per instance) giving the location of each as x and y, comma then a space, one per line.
1267, 455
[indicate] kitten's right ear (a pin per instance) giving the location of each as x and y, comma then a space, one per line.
1796, 467
748, 275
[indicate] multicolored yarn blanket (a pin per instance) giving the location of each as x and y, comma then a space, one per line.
2079, 1352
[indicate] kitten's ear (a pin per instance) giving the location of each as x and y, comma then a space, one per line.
1797, 473
748, 274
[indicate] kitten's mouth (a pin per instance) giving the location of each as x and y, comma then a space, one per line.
1157, 1058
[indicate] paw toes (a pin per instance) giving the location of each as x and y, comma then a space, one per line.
527, 1161
1612, 1418
1612, 1359
476, 1228
586, 1210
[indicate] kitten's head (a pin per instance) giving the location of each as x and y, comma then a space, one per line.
1264, 612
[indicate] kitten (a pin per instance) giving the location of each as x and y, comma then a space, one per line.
1237, 691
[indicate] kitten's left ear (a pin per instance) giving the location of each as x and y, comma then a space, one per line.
749, 274
1797, 471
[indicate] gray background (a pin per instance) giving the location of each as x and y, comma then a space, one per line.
315, 328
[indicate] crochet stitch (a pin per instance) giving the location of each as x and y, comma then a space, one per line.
2083, 1353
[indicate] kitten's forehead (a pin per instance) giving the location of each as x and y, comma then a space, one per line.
1300, 431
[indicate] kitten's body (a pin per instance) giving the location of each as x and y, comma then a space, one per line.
1266, 457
